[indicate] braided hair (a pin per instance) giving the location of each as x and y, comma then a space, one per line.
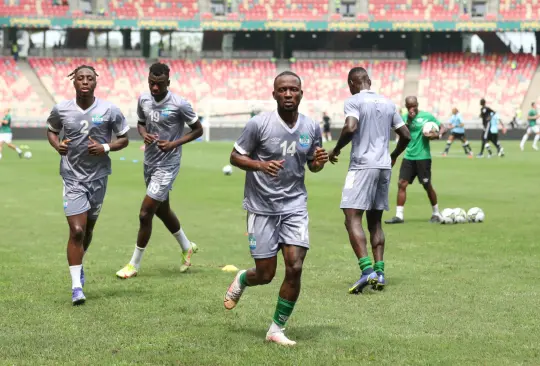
74, 72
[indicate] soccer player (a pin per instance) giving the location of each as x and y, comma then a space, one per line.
327, 134
492, 134
485, 114
162, 116
273, 149
457, 132
417, 160
6, 134
88, 123
532, 128
369, 117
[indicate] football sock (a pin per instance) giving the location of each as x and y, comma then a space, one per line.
535, 141
379, 267
399, 212
0, 155
466, 147
243, 279
447, 148
284, 309
365, 264
435, 209
488, 148
18, 150
137, 256
182, 239
75, 272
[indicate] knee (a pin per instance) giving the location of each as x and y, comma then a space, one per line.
145, 217
77, 233
266, 277
294, 270
427, 186
402, 184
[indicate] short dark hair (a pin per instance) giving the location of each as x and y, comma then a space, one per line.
74, 72
159, 69
288, 73
532, 104
482, 101
358, 70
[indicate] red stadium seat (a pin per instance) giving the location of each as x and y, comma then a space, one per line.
407, 10
519, 9
284, 9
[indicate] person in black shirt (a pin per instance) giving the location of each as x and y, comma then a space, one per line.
327, 136
485, 114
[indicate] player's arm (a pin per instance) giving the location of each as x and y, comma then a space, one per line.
402, 130
195, 133
352, 116
317, 156
120, 127
54, 126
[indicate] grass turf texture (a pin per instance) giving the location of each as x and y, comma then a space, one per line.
459, 294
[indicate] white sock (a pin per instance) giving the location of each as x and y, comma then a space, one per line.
75, 272
137, 256
182, 239
536, 138
523, 140
436, 209
18, 150
0, 156
399, 212
274, 328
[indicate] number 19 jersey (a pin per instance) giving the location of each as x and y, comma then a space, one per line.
267, 137
99, 121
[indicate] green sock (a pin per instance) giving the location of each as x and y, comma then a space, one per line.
284, 310
379, 266
365, 263
243, 279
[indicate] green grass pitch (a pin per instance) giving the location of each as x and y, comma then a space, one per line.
458, 294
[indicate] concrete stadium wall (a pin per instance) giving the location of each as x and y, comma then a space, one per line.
232, 133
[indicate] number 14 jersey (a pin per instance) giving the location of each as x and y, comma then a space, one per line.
267, 137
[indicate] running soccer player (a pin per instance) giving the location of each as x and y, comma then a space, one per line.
417, 161
162, 116
485, 115
88, 123
6, 134
327, 134
457, 132
492, 134
273, 149
532, 128
369, 117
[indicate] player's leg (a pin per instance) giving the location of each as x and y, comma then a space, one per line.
75, 254
16, 149
407, 173
536, 137
448, 144
424, 176
171, 222
524, 138
263, 238
484, 142
1, 147
466, 146
494, 137
377, 240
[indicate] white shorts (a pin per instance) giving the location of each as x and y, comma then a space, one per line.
366, 189
6, 137
530, 130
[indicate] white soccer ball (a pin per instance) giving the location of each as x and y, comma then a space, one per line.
27, 155
227, 170
476, 214
430, 127
448, 216
460, 216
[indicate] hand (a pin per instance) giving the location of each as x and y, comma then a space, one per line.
95, 148
319, 158
432, 135
272, 167
63, 147
165, 145
149, 138
333, 156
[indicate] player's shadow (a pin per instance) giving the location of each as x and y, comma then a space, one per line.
115, 292
300, 332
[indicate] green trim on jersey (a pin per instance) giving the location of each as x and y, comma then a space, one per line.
418, 148
532, 113
6, 128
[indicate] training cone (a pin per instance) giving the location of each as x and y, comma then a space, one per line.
229, 268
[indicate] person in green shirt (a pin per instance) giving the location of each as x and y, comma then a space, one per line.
6, 134
417, 160
531, 128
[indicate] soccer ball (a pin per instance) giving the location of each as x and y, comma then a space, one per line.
27, 155
227, 170
460, 216
476, 214
448, 216
430, 127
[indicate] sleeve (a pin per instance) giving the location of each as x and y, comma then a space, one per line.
141, 118
53, 122
119, 124
248, 140
187, 114
317, 142
460, 119
351, 109
397, 121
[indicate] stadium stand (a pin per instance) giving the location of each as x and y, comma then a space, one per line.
454, 79
185, 9
32, 8
519, 9
284, 9
406, 10
17, 92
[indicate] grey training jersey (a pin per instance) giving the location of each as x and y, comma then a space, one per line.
98, 122
267, 137
166, 119
376, 115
